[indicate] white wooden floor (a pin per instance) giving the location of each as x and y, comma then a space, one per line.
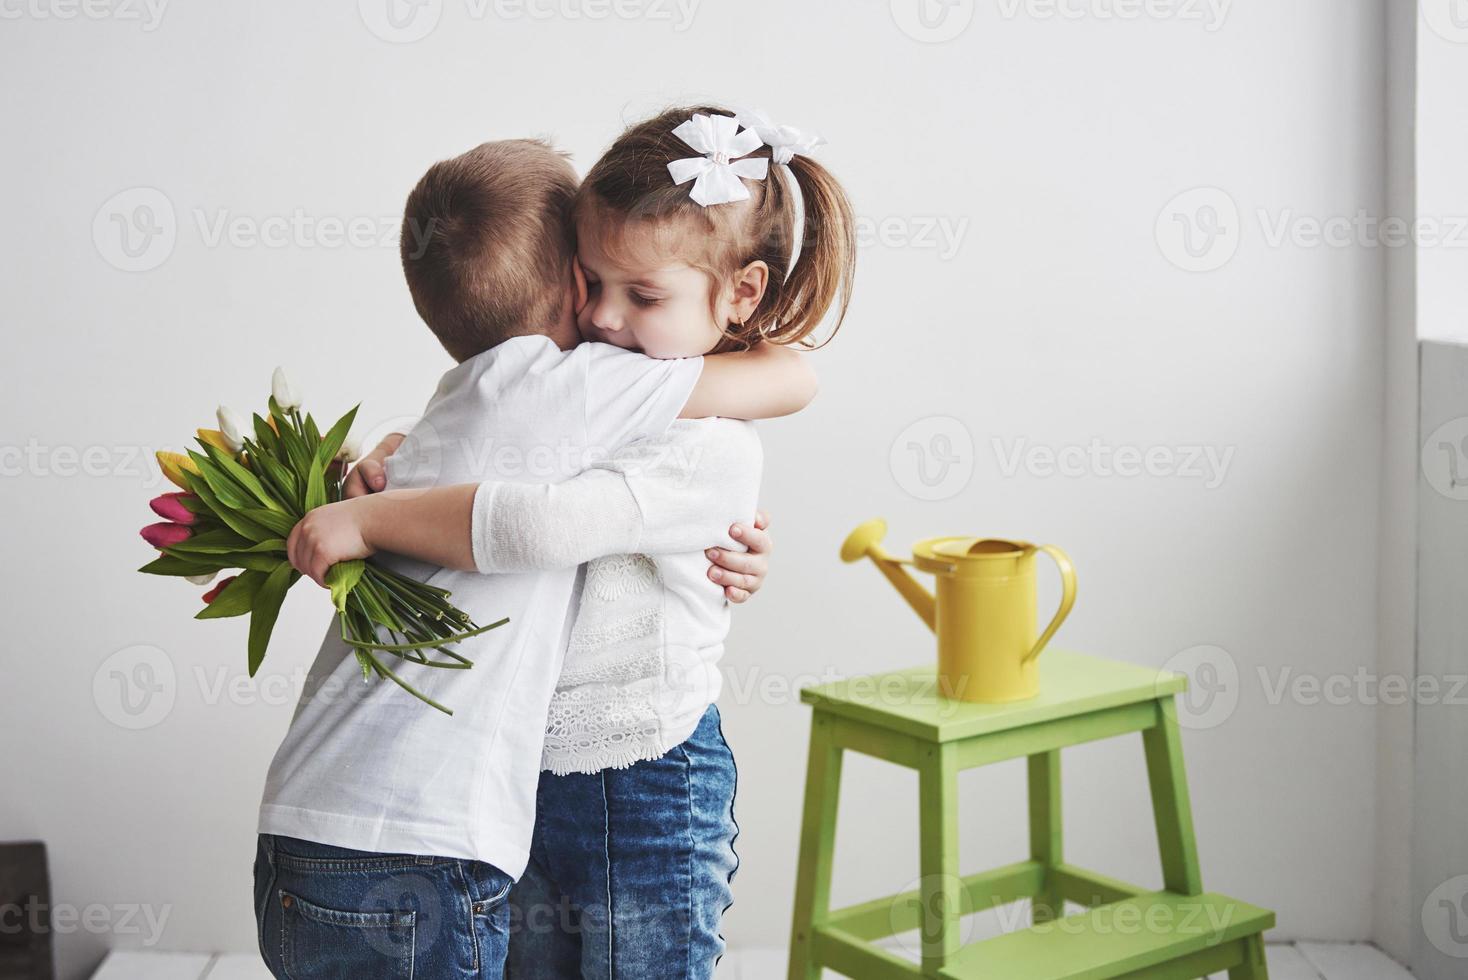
1287, 961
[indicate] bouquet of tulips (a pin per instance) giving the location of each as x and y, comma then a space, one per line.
239, 499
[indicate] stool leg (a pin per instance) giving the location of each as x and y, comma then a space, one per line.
941, 887
817, 844
1046, 844
1254, 967
1170, 807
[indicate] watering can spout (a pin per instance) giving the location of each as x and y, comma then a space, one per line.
866, 542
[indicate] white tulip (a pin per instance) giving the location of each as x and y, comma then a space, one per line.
286, 394
351, 448
204, 579
231, 426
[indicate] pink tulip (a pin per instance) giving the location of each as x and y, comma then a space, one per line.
213, 593
170, 506
164, 534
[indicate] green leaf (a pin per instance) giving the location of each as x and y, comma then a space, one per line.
242, 477
279, 477
169, 565
315, 486
280, 523
229, 493
266, 436
221, 540
341, 578
236, 598
334, 438
313, 434
228, 515
266, 608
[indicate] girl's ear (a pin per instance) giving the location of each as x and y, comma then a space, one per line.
749, 289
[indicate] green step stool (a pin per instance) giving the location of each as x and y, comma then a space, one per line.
1177, 933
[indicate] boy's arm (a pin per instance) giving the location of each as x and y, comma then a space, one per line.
765, 382
508, 527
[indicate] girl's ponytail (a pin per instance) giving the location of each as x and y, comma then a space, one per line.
826, 263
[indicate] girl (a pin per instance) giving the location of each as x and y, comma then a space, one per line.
695, 236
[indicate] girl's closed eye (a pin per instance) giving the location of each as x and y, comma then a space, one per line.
642, 300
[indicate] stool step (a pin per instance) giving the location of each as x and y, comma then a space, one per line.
1142, 936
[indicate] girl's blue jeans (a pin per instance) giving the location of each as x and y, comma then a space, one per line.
630, 869
333, 912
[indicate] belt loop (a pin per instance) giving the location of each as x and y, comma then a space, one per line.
270, 850
425, 859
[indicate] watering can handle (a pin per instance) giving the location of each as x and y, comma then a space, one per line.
1067, 597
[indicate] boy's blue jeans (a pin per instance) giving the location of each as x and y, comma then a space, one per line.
629, 876
333, 912
630, 868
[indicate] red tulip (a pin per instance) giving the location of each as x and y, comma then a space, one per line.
164, 534
213, 593
170, 506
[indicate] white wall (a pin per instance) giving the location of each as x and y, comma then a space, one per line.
1442, 150
1062, 316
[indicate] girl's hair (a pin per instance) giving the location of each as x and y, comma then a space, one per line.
630, 188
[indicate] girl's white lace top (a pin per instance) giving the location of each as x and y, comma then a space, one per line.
641, 663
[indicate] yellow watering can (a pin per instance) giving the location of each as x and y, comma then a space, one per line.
984, 613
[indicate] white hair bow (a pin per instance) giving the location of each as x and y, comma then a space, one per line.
784, 141
716, 173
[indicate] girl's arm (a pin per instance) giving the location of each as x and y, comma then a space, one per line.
765, 382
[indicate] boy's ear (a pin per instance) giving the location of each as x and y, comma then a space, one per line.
749, 288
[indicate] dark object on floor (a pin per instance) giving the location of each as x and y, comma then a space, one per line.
25, 913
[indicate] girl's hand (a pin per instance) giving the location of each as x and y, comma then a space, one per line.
368, 476
742, 573
325, 536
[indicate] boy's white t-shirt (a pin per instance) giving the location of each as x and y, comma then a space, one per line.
368, 766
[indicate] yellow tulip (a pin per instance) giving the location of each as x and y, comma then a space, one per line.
174, 465
214, 438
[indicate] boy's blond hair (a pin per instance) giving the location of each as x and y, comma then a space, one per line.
487, 244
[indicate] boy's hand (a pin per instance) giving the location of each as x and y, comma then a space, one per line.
325, 536
742, 573
369, 476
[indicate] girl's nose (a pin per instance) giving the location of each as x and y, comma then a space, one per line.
605, 318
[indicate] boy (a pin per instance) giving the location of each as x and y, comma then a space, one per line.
390, 833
